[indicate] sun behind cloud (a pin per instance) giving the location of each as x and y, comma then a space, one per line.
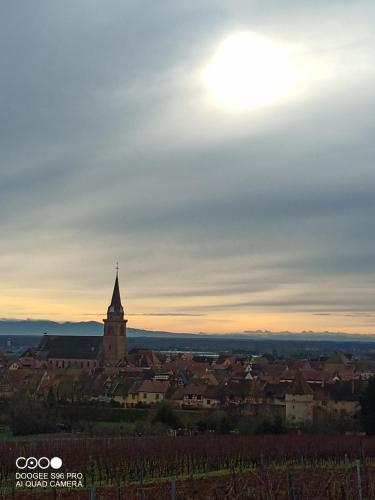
248, 70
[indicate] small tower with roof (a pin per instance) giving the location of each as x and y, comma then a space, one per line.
299, 402
114, 339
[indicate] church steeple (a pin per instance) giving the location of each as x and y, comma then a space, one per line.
115, 305
114, 328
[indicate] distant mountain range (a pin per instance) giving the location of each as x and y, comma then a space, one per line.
38, 327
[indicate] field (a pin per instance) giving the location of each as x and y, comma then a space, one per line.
266, 467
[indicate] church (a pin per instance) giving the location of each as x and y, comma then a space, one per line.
89, 351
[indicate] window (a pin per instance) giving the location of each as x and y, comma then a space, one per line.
145, 395
133, 396
208, 401
199, 397
157, 396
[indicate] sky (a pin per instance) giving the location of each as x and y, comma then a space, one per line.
221, 152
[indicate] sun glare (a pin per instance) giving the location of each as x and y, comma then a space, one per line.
248, 71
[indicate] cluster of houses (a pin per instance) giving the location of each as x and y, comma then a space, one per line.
299, 391
98, 368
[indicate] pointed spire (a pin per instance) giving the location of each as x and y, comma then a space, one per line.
116, 305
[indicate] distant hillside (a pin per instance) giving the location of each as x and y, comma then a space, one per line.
31, 327
38, 327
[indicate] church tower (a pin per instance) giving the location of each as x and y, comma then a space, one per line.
114, 329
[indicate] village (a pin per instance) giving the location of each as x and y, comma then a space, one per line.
298, 391
87, 369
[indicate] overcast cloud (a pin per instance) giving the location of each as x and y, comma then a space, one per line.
111, 149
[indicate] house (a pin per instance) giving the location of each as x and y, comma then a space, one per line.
28, 359
364, 370
144, 358
197, 394
121, 390
336, 362
237, 393
226, 360
25, 381
339, 400
149, 392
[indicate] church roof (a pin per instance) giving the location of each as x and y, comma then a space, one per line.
115, 305
71, 346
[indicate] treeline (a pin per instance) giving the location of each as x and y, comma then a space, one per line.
26, 416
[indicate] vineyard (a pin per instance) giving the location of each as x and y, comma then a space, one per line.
282, 467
